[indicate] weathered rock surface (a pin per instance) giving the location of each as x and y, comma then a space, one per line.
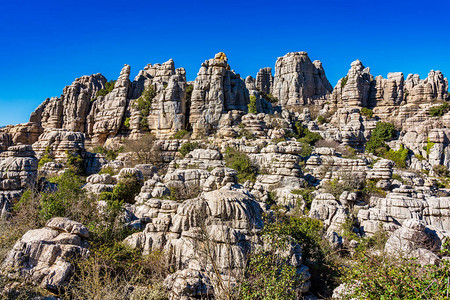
18, 171
298, 81
42, 256
264, 80
58, 143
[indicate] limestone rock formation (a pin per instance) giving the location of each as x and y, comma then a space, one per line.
217, 90
264, 80
59, 142
70, 111
432, 88
298, 81
42, 256
107, 112
18, 171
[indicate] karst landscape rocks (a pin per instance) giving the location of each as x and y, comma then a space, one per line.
217, 159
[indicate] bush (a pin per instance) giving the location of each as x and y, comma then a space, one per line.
367, 112
252, 105
240, 162
441, 171
109, 86
303, 134
45, 159
181, 134
127, 122
439, 111
269, 98
188, 147
386, 277
399, 156
144, 104
428, 147
146, 150
306, 195
316, 251
383, 132
127, 189
110, 154
321, 120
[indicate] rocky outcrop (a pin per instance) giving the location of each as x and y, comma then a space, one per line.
27, 133
264, 80
70, 111
167, 112
433, 88
58, 143
43, 256
217, 90
107, 112
298, 81
18, 171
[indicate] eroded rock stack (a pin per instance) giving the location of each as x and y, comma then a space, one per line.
18, 171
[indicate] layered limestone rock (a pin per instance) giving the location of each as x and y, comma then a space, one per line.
43, 256
99, 183
264, 80
331, 212
298, 81
71, 110
18, 171
27, 133
58, 143
5, 141
433, 88
225, 221
401, 204
354, 89
217, 90
167, 113
106, 115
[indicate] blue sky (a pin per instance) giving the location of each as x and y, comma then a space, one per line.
45, 45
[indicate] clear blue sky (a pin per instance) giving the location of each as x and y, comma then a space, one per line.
45, 45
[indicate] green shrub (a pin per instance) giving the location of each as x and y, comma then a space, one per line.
247, 134
240, 162
439, 111
306, 150
127, 122
321, 120
75, 163
188, 147
144, 104
127, 189
428, 147
180, 134
110, 154
45, 159
441, 171
252, 105
344, 81
109, 86
367, 112
303, 134
399, 156
189, 90
306, 194
107, 170
269, 98
387, 277
383, 132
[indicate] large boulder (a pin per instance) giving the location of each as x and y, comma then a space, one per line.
43, 256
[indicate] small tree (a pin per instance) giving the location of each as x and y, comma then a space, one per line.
252, 105
146, 150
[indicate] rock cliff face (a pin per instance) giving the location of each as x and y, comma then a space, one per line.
70, 111
107, 113
264, 80
298, 81
18, 171
217, 90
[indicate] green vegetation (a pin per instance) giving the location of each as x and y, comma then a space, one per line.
144, 104
126, 123
75, 163
252, 105
181, 134
269, 98
344, 81
306, 195
240, 162
125, 191
439, 111
304, 135
399, 156
367, 112
188, 147
383, 132
109, 86
428, 147
441, 171
322, 120
110, 154
386, 277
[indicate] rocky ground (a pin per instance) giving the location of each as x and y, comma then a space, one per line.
265, 188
